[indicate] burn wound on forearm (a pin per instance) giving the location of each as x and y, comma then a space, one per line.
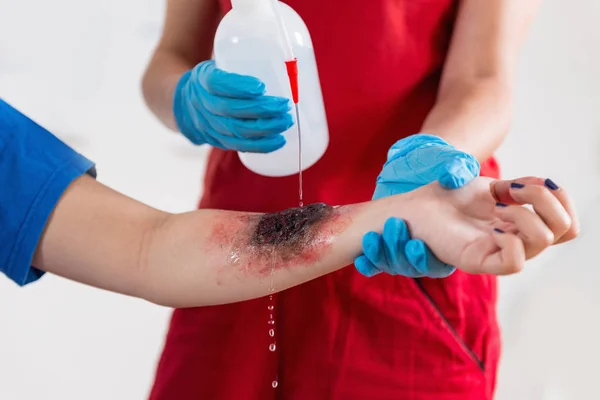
261, 243
290, 229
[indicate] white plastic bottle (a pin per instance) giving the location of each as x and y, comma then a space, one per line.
248, 42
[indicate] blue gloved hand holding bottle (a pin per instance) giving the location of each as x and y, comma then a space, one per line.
229, 111
413, 162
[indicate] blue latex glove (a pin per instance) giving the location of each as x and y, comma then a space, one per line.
229, 111
413, 162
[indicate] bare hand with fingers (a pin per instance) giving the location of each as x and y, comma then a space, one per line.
484, 226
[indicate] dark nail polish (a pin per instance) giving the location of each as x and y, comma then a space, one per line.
501, 204
498, 230
550, 185
516, 185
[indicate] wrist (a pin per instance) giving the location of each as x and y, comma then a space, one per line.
407, 205
179, 102
371, 216
431, 137
416, 209
406, 145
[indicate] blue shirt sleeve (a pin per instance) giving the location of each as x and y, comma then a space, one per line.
35, 169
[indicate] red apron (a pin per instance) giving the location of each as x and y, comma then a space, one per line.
344, 336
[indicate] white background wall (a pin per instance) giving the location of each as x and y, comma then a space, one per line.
74, 65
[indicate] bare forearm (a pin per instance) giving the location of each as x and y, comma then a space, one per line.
159, 83
474, 107
473, 116
187, 39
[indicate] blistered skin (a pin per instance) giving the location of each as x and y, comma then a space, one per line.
260, 243
290, 228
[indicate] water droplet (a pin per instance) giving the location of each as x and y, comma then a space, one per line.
270, 308
274, 384
272, 347
234, 257
271, 332
271, 322
271, 316
271, 296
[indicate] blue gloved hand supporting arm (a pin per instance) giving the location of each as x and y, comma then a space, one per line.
395, 253
413, 162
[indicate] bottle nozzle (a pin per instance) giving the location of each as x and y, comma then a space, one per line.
292, 71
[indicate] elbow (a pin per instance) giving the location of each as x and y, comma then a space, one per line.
148, 271
161, 277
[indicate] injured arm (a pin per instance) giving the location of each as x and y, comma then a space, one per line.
224, 256
104, 239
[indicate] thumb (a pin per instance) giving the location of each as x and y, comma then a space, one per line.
458, 172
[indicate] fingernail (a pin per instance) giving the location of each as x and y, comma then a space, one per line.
516, 185
550, 185
501, 204
498, 230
